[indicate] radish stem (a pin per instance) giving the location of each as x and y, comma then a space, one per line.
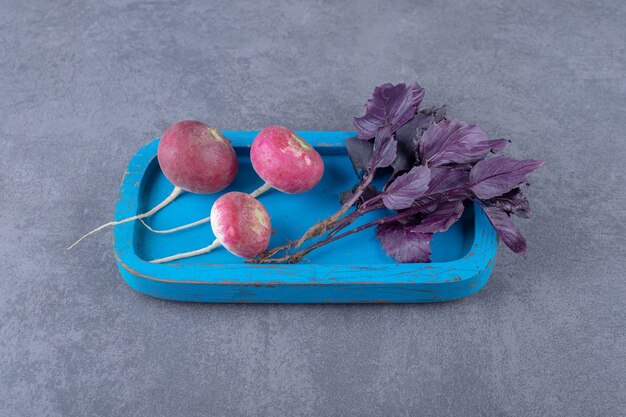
216, 244
175, 193
254, 194
297, 256
324, 225
369, 206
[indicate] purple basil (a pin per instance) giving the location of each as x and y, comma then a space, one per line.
506, 230
391, 106
498, 175
405, 189
369, 192
454, 141
403, 243
445, 163
513, 202
384, 151
431, 168
408, 136
360, 152
442, 218
444, 179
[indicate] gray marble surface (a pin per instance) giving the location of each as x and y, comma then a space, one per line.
84, 84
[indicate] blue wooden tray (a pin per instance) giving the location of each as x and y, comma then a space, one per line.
351, 270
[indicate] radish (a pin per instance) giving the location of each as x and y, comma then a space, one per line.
240, 223
283, 160
194, 157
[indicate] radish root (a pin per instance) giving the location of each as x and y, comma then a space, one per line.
176, 229
173, 195
216, 244
254, 194
265, 187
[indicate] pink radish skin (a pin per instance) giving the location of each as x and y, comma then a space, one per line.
197, 157
241, 224
194, 157
285, 160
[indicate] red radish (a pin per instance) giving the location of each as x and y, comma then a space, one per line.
240, 223
197, 157
194, 157
283, 160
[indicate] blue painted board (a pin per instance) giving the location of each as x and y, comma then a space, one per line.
351, 270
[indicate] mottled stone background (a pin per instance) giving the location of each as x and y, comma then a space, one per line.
84, 84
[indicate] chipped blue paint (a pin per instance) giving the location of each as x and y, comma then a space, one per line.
352, 270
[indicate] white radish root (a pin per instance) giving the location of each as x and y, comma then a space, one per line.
241, 224
254, 194
173, 195
216, 244
265, 187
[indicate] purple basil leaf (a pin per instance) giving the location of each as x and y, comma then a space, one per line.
497, 145
429, 116
360, 152
440, 113
446, 185
418, 94
422, 121
409, 134
442, 218
406, 137
405, 189
402, 243
465, 167
391, 106
500, 174
455, 141
443, 179
513, 202
507, 231
428, 204
431, 202
428, 110
369, 192
384, 152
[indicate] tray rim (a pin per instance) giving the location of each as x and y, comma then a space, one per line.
479, 258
